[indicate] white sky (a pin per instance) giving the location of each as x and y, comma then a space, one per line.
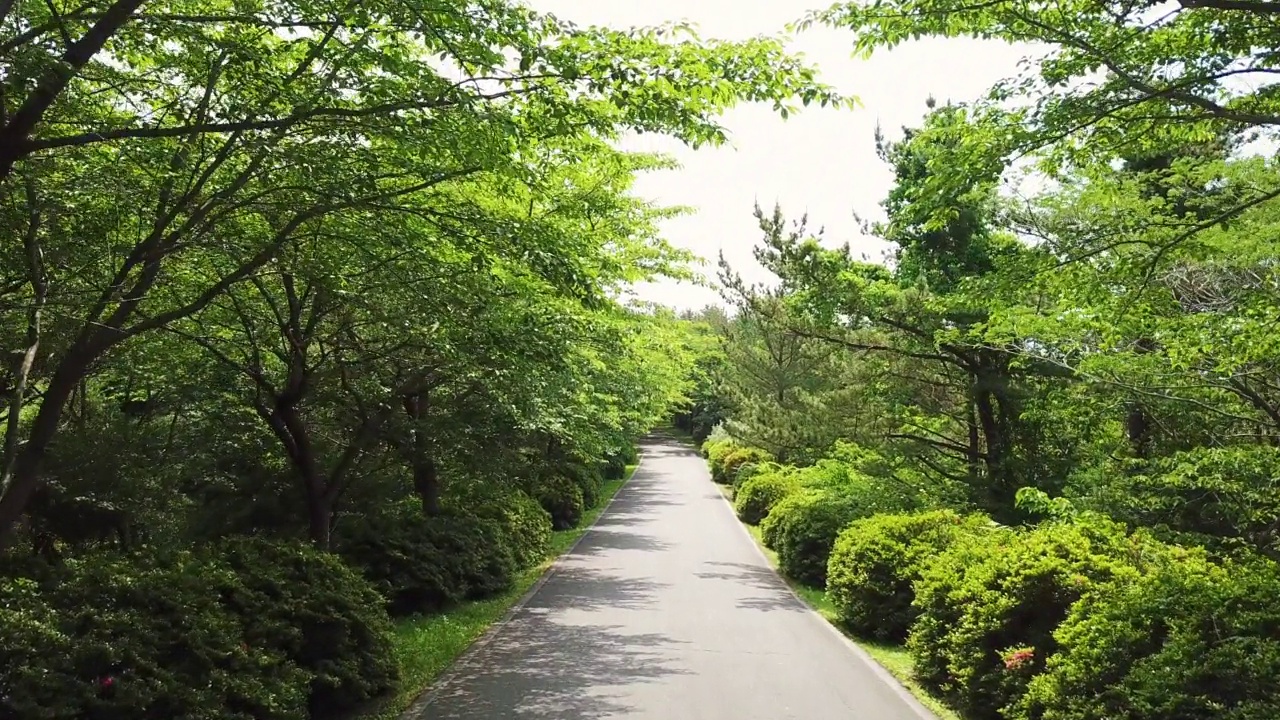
821, 161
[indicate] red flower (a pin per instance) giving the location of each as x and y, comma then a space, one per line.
1018, 658
107, 682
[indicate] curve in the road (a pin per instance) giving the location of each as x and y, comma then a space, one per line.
666, 610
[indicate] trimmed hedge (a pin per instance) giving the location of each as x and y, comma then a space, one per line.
615, 463
320, 614
562, 498
989, 607
121, 639
589, 481
726, 471
716, 451
874, 493
802, 528
753, 500
749, 470
876, 562
614, 468
526, 525
1189, 639
422, 564
246, 629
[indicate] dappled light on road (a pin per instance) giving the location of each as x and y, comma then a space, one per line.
664, 610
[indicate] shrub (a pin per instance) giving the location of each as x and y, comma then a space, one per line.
117, 639
715, 450
588, 481
876, 493
615, 468
1188, 639
616, 462
38, 671
718, 436
876, 562
756, 497
859, 459
747, 470
423, 564
562, 499
316, 612
526, 525
802, 527
988, 608
726, 472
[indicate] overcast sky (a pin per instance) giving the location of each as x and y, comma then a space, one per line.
822, 162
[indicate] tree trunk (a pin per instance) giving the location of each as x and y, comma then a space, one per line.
302, 452
25, 479
319, 516
974, 455
426, 476
1137, 420
994, 456
1138, 429
426, 483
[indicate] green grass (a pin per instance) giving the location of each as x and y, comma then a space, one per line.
893, 658
426, 646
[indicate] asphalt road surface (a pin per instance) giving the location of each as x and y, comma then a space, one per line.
665, 611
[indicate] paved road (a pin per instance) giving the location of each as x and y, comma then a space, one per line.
665, 611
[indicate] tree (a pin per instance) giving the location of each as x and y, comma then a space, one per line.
957, 400
230, 136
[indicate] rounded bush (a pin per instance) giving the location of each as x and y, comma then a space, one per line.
314, 610
756, 497
748, 470
802, 527
1188, 639
616, 462
424, 564
876, 493
589, 482
116, 638
562, 498
876, 561
614, 467
989, 606
526, 525
715, 451
735, 460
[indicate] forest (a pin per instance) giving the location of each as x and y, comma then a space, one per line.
321, 331
1038, 445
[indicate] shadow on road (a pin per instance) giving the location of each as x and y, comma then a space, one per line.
580, 588
545, 668
605, 539
665, 610
761, 587
564, 655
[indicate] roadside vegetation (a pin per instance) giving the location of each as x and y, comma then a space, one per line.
1035, 448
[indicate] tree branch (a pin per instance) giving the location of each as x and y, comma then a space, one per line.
14, 137
1250, 6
